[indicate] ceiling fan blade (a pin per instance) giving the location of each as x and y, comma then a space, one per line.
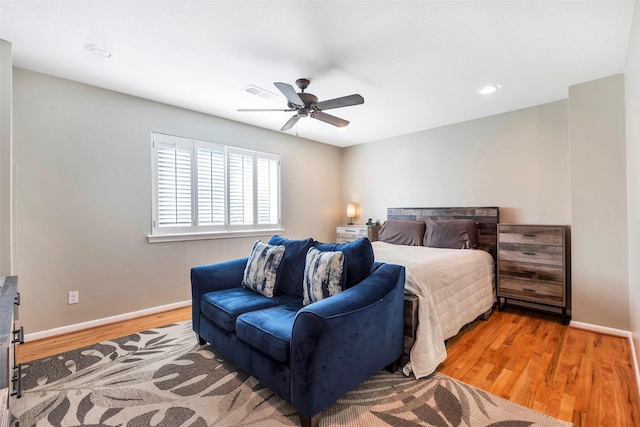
344, 101
289, 92
292, 121
244, 110
332, 120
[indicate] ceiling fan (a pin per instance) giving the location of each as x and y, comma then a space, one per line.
307, 105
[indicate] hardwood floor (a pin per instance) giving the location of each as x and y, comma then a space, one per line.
48, 346
529, 358
524, 356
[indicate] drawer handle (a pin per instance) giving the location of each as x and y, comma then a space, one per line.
16, 380
20, 336
529, 290
528, 235
529, 253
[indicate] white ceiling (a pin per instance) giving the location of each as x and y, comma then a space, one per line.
417, 64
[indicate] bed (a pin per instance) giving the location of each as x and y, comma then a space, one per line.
453, 286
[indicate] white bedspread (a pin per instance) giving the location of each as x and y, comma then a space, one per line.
454, 287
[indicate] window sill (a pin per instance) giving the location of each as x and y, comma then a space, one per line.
182, 237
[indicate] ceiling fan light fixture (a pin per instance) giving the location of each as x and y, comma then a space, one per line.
99, 51
306, 105
488, 89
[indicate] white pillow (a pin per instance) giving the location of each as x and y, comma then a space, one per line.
324, 275
261, 271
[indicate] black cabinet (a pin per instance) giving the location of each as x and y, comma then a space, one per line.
10, 375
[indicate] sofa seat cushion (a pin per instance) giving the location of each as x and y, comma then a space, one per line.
223, 307
269, 330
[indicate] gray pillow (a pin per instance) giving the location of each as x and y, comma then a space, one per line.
451, 234
324, 275
261, 271
402, 232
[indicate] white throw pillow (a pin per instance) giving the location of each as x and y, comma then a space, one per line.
324, 275
261, 271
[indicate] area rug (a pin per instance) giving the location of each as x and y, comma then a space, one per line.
162, 377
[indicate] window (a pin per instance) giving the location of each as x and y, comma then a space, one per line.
201, 187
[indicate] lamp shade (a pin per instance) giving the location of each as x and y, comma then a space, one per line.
351, 210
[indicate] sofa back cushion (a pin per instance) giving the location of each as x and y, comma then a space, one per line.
358, 258
292, 267
263, 268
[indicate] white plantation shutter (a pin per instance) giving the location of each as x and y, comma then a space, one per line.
268, 197
240, 188
203, 187
174, 185
211, 202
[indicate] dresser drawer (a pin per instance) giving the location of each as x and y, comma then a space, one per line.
541, 272
529, 290
536, 254
531, 235
352, 232
349, 233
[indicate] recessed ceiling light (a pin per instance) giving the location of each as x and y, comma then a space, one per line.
100, 51
489, 89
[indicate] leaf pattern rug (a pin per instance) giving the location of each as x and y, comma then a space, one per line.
163, 378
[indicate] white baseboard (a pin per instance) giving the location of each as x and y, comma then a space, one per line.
104, 321
617, 333
635, 362
600, 329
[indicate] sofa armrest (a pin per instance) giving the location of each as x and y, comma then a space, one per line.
339, 342
213, 277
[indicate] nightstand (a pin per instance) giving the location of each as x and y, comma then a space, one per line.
533, 265
350, 233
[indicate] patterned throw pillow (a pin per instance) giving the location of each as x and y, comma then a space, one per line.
324, 275
261, 271
358, 258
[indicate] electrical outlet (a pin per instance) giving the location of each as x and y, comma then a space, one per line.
74, 297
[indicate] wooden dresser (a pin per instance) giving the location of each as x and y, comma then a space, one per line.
349, 233
533, 265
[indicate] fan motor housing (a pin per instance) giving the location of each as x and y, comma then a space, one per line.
308, 99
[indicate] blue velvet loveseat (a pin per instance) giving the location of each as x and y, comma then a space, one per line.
309, 355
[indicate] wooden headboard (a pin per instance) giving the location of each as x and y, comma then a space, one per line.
486, 217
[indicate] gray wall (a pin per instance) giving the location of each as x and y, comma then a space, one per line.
83, 199
599, 254
518, 161
557, 163
632, 101
6, 236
